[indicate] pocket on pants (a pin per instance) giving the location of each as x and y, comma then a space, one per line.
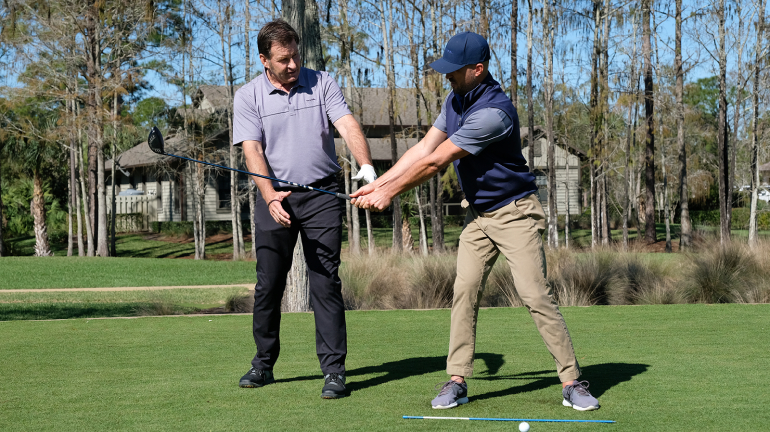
530, 207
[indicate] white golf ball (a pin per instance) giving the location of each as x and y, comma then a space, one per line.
523, 426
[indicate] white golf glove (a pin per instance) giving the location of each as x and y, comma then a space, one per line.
366, 173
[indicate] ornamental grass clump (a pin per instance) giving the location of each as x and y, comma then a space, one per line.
637, 280
725, 274
580, 279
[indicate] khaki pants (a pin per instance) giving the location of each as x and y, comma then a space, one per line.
515, 230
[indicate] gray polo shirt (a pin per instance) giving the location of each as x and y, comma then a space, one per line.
293, 127
480, 129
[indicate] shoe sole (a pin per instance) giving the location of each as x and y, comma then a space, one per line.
330, 395
460, 401
248, 384
566, 403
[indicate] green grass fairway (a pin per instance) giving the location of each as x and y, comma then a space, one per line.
654, 368
95, 272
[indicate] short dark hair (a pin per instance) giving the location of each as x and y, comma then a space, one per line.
277, 30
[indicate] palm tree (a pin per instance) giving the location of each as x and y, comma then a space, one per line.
33, 143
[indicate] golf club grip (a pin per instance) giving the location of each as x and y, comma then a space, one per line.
343, 196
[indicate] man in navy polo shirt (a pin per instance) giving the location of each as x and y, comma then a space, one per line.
281, 118
478, 131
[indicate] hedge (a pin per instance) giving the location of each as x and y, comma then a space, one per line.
740, 219
186, 228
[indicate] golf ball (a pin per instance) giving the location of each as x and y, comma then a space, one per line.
523, 426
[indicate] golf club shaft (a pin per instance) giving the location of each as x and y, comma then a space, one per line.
338, 195
508, 419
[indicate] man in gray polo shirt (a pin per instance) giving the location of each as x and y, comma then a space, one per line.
281, 119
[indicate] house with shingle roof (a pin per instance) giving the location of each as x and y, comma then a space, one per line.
164, 179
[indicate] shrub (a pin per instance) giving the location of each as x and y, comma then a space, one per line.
580, 280
185, 228
240, 303
639, 281
719, 274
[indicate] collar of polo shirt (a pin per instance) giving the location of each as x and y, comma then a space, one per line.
301, 82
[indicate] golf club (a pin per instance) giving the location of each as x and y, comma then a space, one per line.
155, 141
508, 419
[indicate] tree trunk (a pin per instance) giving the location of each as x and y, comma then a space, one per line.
113, 203
355, 220
224, 21
605, 104
725, 206
567, 200
548, 31
627, 170
101, 245
302, 15
370, 233
667, 213
685, 236
387, 33
604, 203
406, 235
530, 101
753, 235
252, 186
37, 207
649, 111
514, 53
86, 205
595, 120
296, 298
71, 194
70, 239
421, 213
737, 115
348, 207
2, 218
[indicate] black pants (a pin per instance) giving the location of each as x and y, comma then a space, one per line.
317, 218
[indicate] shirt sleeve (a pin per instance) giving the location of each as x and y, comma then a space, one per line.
247, 123
482, 128
336, 107
440, 122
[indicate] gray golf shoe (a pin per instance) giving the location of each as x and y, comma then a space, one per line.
578, 397
451, 395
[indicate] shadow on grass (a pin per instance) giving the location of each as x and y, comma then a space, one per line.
406, 368
21, 311
602, 377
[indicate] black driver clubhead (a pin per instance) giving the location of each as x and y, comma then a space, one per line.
155, 141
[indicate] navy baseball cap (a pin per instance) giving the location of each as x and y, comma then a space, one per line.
462, 50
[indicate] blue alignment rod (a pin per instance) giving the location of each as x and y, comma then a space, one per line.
508, 419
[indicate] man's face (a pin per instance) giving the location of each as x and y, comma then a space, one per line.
463, 80
283, 63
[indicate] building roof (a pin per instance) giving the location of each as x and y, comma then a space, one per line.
369, 105
212, 97
141, 155
379, 147
539, 131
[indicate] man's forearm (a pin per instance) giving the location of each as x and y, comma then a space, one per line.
413, 173
255, 162
351, 132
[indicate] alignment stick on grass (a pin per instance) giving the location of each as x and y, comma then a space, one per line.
508, 419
